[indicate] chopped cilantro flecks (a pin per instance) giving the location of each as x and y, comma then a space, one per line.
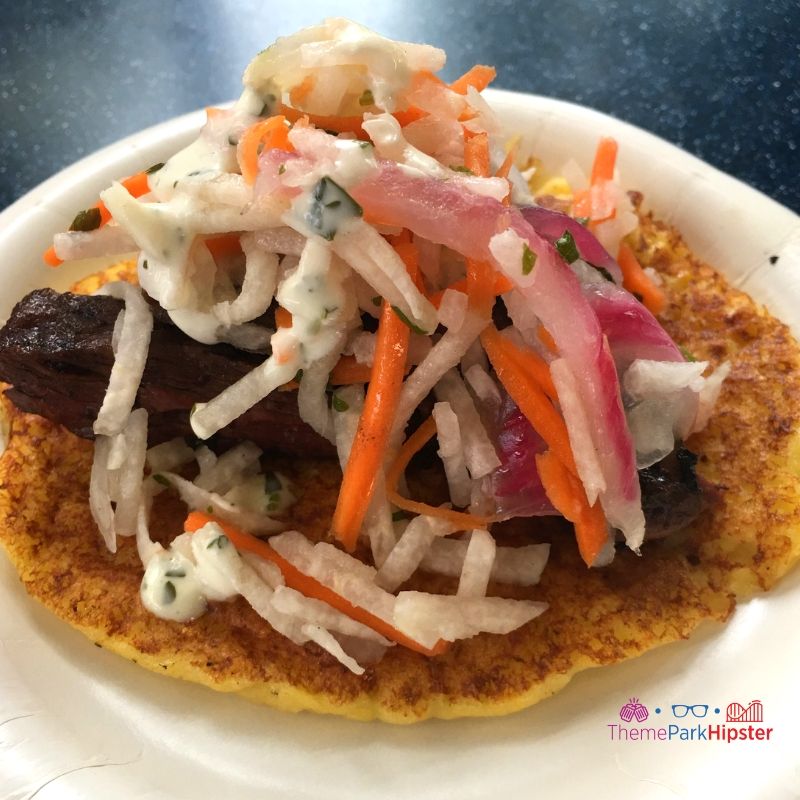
377, 300
281, 169
298, 376
154, 168
366, 99
272, 483
407, 321
397, 516
88, 220
339, 404
567, 248
528, 259
463, 169
330, 206
582, 221
218, 542
176, 573
686, 354
169, 593
158, 478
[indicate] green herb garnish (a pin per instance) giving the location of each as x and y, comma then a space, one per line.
298, 376
377, 300
339, 404
218, 541
582, 221
159, 478
154, 168
330, 205
404, 319
281, 169
528, 259
460, 168
170, 593
397, 516
85, 221
567, 248
175, 573
686, 354
272, 483
366, 98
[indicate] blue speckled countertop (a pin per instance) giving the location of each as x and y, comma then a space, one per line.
720, 79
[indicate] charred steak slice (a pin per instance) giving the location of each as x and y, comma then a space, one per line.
55, 351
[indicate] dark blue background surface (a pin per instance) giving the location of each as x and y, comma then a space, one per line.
721, 79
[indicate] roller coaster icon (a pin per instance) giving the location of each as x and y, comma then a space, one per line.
736, 712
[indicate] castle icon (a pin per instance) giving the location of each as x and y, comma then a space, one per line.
736, 712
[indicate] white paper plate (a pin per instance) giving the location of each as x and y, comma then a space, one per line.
78, 722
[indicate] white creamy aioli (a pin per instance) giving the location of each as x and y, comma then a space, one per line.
179, 582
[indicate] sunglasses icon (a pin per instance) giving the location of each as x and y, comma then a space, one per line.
698, 711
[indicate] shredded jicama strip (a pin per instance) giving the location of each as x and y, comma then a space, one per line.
451, 451
129, 359
202, 500
258, 288
478, 563
479, 452
431, 617
519, 566
444, 355
410, 550
580, 437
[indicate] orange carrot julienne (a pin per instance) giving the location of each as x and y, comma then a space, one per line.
263, 135
584, 201
299, 93
526, 392
223, 246
479, 77
375, 423
546, 338
476, 154
531, 362
412, 445
605, 159
501, 285
342, 124
636, 281
283, 318
308, 586
567, 494
213, 111
136, 185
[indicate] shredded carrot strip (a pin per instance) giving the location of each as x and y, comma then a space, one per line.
479, 77
213, 111
349, 371
340, 124
410, 448
476, 154
605, 159
375, 423
283, 318
528, 394
546, 338
508, 162
636, 281
308, 586
568, 496
263, 135
50, 258
530, 362
224, 246
299, 93
136, 185
501, 285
